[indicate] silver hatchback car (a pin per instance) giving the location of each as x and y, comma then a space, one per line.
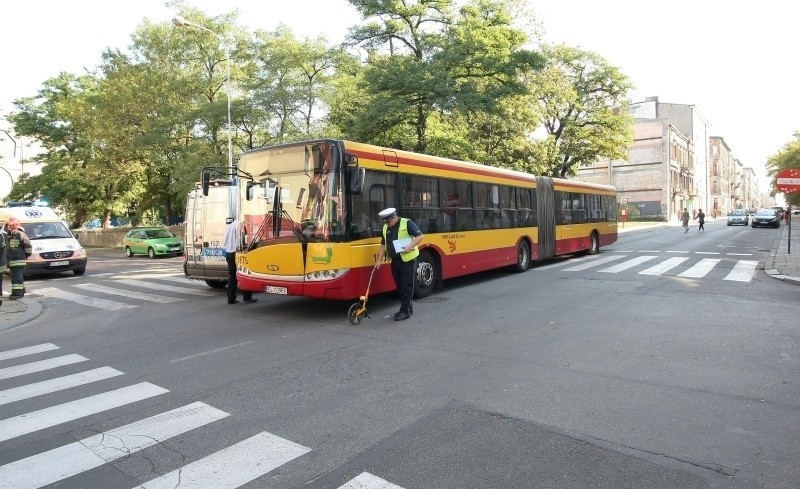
738, 216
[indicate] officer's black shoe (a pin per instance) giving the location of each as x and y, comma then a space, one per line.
249, 301
401, 316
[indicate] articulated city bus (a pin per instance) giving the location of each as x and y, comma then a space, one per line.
309, 212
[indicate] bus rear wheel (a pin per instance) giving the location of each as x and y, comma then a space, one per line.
523, 256
426, 275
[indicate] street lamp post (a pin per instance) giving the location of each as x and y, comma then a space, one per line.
179, 21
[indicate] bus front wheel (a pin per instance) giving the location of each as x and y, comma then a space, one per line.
426, 275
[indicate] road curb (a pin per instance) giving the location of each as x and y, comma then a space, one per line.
32, 310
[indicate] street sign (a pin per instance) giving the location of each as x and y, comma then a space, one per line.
788, 181
624, 200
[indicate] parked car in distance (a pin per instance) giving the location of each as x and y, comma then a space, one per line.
767, 217
738, 216
151, 241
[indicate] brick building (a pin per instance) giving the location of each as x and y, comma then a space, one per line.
673, 164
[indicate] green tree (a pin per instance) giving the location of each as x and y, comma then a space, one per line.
49, 117
786, 159
285, 85
437, 77
584, 102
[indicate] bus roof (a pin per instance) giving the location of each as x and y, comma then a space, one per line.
382, 158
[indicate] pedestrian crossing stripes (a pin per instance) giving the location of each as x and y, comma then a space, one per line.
52, 416
168, 288
227, 468
365, 480
128, 293
742, 271
55, 385
84, 299
260, 453
29, 368
97, 295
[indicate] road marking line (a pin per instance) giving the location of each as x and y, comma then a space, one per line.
664, 266
594, 263
743, 271
365, 480
564, 262
28, 350
128, 293
739, 254
85, 300
627, 264
168, 288
29, 368
62, 462
55, 415
701, 268
209, 352
149, 274
233, 466
677, 251
175, 278
53, 385
707, 253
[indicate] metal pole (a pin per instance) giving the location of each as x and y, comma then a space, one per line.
789, 224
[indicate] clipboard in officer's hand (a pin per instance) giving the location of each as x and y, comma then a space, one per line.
400, 244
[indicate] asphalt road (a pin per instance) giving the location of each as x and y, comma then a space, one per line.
669, 360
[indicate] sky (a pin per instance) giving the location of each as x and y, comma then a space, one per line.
736, 62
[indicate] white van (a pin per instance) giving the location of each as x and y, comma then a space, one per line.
55, 248
205, 231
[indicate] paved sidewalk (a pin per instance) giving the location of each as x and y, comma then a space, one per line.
781, 265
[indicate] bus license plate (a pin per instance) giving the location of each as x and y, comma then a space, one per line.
59, 263
277, 290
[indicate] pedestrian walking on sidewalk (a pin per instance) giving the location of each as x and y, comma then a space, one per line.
701, 217
685, 220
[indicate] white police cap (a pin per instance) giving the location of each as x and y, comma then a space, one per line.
387, 212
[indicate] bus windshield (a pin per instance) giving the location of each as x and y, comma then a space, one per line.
296, 194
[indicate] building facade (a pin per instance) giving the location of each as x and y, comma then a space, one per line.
657, 180
674, 164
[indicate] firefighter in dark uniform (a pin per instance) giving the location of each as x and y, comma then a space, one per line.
403, 262
3, 259
19, 249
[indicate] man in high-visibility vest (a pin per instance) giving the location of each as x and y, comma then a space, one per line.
19, 249
403, 236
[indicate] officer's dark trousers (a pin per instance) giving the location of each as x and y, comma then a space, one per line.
233, 284
403, 274
17, 281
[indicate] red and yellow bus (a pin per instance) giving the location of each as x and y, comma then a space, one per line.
309, 212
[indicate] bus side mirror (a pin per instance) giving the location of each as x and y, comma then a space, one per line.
356, 180
249, 192
206, 179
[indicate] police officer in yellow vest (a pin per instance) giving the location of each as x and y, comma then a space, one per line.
403, 236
